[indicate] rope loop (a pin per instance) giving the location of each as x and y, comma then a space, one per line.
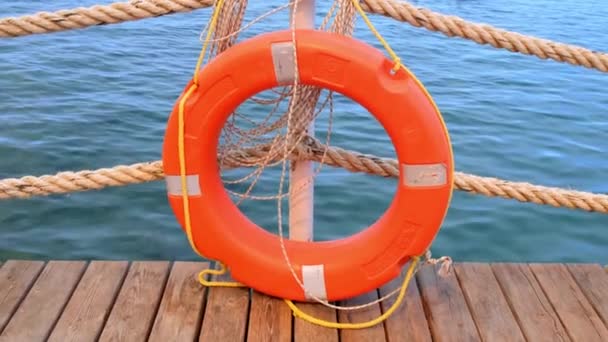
297, 312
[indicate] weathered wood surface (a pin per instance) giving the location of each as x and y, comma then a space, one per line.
163, 301
85, 314
535, 315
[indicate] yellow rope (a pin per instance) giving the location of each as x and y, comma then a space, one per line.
201, 56
371, 26
398, 64
297, 312
182, 163
222, 270
361, 325
182, 157
180, 140
182, 166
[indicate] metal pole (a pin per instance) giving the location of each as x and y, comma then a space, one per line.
301, 203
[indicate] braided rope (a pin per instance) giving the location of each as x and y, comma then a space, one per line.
121, 175
81, 17
451, 26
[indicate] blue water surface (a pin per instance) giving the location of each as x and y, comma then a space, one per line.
93, 98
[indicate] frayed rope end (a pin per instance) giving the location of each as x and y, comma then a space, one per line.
445, 261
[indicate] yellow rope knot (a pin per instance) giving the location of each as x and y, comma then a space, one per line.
398, 65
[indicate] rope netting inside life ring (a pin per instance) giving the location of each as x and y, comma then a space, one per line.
282, 128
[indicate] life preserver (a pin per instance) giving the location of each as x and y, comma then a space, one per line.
336, 269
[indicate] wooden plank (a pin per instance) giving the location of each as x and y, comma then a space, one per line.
269, 319
593, 280
135, 308
408, 322
40, 309
581, 321
86, 312
305, 331
374, 333
225, 317
180, 312
16, 278
533, 311
490, 310
446, 309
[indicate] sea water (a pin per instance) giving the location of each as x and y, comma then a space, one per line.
98, 97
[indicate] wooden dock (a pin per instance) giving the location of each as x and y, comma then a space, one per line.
162, 301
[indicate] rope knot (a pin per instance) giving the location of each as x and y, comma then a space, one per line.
305, 149
398, 65
445, 261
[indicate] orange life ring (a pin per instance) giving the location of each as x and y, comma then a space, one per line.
336, 269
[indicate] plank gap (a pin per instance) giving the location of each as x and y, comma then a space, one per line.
65, 303
293, 327
248, 314
510, 304
488, 306
467, 300
30, 280
83, 316
593, 282
384, 325
269, 319
120, 285
201, 317
537, 316
45, 301
135, 307
552, 305
305, 331
180, 312
425, 308
579, 316
226, 304
339, 336
160, 299
68, 297
374, 333
408, 322
449, 315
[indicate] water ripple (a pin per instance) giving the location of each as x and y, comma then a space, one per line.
101, 96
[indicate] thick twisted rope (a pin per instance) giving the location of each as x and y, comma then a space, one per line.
65, 182
81, 17
451, 26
